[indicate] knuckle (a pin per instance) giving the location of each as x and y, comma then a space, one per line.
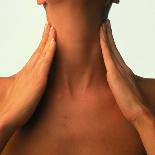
47, 48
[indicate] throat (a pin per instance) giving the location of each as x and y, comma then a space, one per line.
78, 60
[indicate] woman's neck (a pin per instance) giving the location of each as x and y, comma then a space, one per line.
78, 60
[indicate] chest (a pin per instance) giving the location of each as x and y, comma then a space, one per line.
90, 124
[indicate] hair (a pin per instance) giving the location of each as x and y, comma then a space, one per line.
106, 11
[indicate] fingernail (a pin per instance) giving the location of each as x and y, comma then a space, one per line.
52, 31
103, 27
108, 22
102, 32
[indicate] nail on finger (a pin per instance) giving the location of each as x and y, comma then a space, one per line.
52, 33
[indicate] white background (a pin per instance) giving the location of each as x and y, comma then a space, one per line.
133, 23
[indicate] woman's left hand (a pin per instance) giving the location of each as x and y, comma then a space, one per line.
123, 85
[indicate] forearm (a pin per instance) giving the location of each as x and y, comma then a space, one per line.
6, 131
146, 129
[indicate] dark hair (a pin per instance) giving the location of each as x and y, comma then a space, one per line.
108, 8
106, 11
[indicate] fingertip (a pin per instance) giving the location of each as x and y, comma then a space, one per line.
45, 35
109, 30
46, 27
53, 33
108, 23
102, 31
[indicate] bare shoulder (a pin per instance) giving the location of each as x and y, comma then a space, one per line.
147, 88
4, 81
4, 85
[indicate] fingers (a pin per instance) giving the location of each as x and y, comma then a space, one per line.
46, 59
50, 43
106, 51
34, 58
117, 56
44, 37
112, 58
112, 43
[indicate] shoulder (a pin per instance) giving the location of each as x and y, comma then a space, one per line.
4, 85
147, 85
5, 81
147, 89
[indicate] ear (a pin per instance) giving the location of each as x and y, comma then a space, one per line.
115, 1
41, 2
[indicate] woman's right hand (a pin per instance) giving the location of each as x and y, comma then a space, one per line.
29, 84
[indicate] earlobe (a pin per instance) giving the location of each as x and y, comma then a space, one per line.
41, 2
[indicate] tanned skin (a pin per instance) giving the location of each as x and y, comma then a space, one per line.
84, 99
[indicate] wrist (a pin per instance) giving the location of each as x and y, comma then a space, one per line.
145, 120
145, 126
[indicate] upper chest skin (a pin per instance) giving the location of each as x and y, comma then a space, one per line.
90, 124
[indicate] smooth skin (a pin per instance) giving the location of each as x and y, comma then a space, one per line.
123, 85
83, 120
15, 110
120, 79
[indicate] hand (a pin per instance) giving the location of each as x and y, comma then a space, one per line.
123, 85
121, 79
28, 85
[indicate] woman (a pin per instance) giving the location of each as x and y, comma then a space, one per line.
76, 95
